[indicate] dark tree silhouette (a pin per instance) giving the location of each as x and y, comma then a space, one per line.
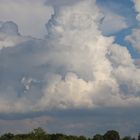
40, 134
98, 137
139, 136
111, 135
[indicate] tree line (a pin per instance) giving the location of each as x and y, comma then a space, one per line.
40, 134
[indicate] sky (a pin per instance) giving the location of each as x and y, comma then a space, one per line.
70, 67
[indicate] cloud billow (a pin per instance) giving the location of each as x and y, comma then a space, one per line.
74, 67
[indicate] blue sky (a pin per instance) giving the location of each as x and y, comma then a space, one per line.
67, 66
126, 9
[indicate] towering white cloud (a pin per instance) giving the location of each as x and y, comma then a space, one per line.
74, 67
91, 62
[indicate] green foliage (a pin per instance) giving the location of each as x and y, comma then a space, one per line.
98, 137
82, 138
111, 135
40, 134
127, 138
139, 136
7, 136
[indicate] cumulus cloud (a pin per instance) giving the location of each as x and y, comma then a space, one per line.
137, 7
133, 38
9, 28
9, 35
26, 13
74, 67
112, 23
137, 62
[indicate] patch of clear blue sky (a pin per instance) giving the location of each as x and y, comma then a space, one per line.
126, 9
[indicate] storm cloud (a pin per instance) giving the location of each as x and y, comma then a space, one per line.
73, 67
